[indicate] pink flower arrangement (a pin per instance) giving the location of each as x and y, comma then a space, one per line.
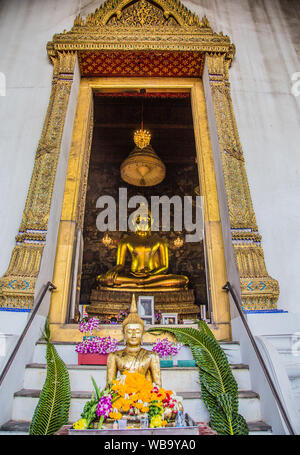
97, 345
104, 406
89, 326
165, 348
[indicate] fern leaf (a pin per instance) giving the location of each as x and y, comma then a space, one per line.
219, 389
52, 410
210, 358
235, 425
204, 327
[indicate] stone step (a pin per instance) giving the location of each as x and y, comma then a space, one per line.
259, 428
18, 427
284, 342
280, 341
66, 350
295, 383
15, 427
249, 405
175, 378
26, 400
288, 347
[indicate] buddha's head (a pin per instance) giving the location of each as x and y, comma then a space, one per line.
142, 223
133, 326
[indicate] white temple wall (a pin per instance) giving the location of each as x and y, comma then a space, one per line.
267, 40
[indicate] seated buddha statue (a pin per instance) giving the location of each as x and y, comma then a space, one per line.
149, 261
133, 358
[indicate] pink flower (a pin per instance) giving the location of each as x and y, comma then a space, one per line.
97, 345
165, 348
90, 326
104, 406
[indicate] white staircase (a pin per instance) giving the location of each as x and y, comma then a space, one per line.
184, 380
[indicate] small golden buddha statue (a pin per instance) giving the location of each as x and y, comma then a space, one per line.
149, 261
134, 358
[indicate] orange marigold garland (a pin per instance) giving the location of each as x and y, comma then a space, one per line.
132, 394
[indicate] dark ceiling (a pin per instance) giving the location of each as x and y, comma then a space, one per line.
169, 120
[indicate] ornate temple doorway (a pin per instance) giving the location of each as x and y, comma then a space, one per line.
168, 116
110, 108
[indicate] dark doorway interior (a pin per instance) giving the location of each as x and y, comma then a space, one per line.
116, 117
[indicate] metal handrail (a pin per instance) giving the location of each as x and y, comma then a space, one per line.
9, 362
228, 287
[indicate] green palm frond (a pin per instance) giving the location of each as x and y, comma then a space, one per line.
97, 390
219, 390
52, 410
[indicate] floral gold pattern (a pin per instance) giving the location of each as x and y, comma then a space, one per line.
141, 64
259, 290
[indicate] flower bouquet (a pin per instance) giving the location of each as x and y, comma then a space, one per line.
131, 395
93, 350
166, 349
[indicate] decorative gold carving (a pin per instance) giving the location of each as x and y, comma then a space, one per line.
108, 303
143, 13
17, 285
141, 25
84, 179
259, 290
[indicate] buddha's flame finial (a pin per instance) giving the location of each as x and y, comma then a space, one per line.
133, 308
133, 317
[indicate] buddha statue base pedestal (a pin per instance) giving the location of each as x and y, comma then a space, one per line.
108, 302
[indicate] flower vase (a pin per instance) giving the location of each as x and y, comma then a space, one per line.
92, 359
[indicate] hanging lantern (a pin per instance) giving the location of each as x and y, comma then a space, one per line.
107, 240
143, 167
178, 242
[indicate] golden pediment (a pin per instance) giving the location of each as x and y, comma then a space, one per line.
142, 13
141, 25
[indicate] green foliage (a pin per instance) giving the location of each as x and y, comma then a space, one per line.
219, 390
52, 410
89, 410
98, 393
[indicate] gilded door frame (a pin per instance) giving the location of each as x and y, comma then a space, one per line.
75, 193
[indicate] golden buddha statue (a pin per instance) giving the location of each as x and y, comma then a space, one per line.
149, 261
134, 358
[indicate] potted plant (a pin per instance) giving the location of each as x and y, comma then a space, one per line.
166, 349
93, 350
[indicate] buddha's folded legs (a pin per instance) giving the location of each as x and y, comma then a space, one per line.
170, 280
